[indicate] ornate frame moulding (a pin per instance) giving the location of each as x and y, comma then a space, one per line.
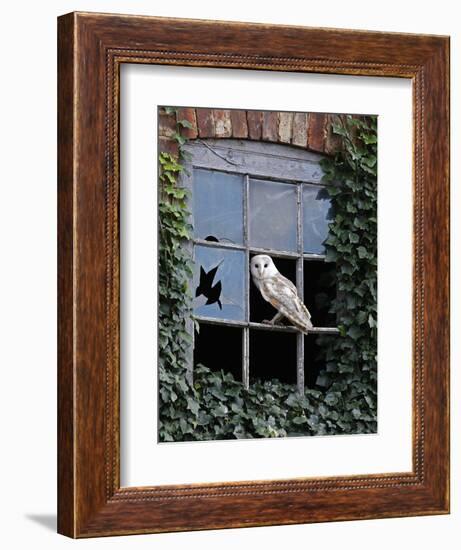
91, 49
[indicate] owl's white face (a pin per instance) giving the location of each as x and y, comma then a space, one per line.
262, 267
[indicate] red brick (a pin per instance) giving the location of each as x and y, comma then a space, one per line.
255, 124
222, 123
166, 124
187, 113
270, 125
333, 142
205, 123
167, 145
285, 127
299, 130
239, 123
316, 132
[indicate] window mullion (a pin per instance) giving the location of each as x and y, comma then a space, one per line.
300, 287
246, 330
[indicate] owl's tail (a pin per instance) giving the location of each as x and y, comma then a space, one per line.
303, 322
304, 327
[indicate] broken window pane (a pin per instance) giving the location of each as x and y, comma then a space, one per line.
219, 283
218, 206
316, 217
272, 215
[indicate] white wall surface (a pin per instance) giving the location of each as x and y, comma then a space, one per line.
28, 273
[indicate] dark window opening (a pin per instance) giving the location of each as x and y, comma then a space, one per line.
272, 355
261, 310
314, 359
320, 292
219, 348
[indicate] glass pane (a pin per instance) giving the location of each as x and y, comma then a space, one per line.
218, 206
272, 215
219, 283
316, 217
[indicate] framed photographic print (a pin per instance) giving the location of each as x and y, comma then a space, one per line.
253, 275
269, 231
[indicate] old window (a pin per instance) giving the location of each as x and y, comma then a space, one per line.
250, 198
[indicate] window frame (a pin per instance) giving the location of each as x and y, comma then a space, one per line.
257, 160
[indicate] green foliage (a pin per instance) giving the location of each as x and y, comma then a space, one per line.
216, 406
351, 178
175, 270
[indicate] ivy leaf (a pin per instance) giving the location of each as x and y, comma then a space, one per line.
331, 399
313, 420
371, 321
220, 410
331, 255
361, 317
339, 130
183, 233
369, 139
183, 425
353, 237
185, 123
356, 413
369, 161
292, 400
219, 394
299, 420
334, 190
354, 332
322, 380
192, 405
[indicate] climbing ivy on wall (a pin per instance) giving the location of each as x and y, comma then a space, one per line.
215, 405
351, 178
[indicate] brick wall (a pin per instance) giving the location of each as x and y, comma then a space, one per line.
310, 131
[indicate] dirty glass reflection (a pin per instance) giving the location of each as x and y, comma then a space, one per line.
316, 217
218, 206
219, 282
272, 215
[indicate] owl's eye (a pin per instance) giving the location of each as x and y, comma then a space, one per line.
256, 265
265, 265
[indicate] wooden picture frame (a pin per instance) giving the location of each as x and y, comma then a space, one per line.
92, 48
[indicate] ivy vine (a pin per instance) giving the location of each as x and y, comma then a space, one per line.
215, 405
350, 361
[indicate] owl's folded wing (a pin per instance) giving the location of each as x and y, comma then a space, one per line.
282, 294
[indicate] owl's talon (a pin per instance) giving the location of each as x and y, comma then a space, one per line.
272, 323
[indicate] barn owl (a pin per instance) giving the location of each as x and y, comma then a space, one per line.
279, 292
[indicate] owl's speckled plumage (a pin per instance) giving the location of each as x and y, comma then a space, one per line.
280, 292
